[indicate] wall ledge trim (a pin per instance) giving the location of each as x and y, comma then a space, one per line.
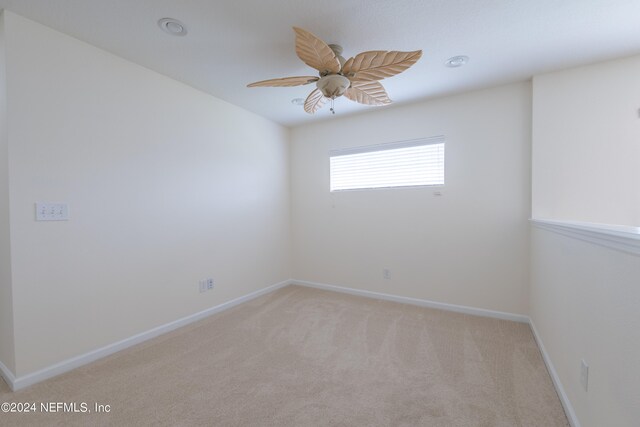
619, 237
415, 301
17, 383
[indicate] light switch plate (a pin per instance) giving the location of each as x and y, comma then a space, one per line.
52, 212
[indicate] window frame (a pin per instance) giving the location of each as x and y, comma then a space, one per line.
433, 140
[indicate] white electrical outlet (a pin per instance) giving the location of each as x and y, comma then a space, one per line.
386, 274
52, 212
205, 285
584, 374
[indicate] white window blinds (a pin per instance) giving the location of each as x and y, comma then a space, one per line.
397, 164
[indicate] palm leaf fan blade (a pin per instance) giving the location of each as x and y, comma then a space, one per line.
285, 82
368, 93
315, 52
314, 101
379, 64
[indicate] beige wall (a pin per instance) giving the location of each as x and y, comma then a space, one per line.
6, 309
469, 246
165, 185
584, 304
586, 128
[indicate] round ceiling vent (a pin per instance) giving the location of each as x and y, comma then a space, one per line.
172, 26
457, 61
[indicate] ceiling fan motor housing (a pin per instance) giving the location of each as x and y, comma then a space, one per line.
333, 86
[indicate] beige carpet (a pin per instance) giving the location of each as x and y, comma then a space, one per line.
305, 357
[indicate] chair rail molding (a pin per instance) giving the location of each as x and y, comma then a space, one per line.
619, 237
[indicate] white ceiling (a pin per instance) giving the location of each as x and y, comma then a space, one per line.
234, 42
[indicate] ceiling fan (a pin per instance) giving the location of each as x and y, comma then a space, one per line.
356, 78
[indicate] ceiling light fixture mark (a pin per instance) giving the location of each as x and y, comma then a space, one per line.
456, 61
172, 26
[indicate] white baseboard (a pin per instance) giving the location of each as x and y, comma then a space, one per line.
564, 399
75, 362
17, 383
416, 301
8, 376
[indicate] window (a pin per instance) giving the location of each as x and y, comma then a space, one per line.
397, 164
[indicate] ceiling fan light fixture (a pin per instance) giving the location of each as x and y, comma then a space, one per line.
172, 26
456, 61
333, 85
355, 78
